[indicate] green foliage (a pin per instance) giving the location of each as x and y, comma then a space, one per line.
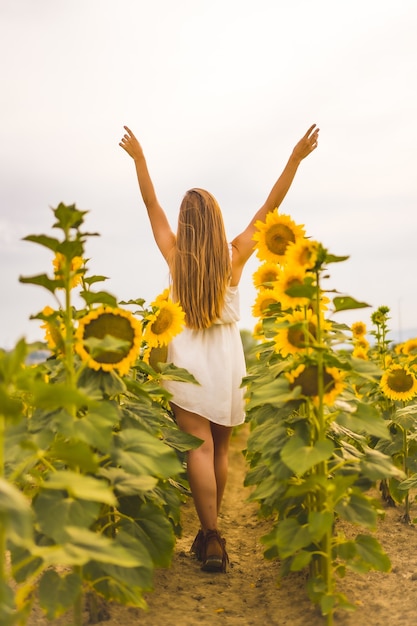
91, 462
318, 443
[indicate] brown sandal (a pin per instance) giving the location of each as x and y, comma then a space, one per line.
197, 547
214, 557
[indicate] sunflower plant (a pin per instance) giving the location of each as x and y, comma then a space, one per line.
91, 461
310, 463
395, 396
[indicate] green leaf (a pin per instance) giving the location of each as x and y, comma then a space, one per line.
11, 408
68, 216
96, 427
154, 530
289, 537
90, 280
302, 291
319, 523
7, 605
126, 484
140, 453
301, 458
49, 396
344, 303
376, 465
100, 548
71, 248
301, 560
332, 258
43, 281
366, 419
83, 546
54, 511
275, 393
409, 483
75, 454
99, 297
80, 486
169, 371
15, 514
358, 509
120, 584
371, 553
12, 362
48, 242
58, 593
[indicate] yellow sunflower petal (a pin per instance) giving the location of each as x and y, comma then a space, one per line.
298, 332
164, 324
264, 299
358, 329
302, 253
399, 383
266, 274
274, 235
306, 377
290, 277
101, 324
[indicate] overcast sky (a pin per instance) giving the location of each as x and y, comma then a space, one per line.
218, 92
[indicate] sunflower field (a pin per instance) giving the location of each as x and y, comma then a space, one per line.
91, 462
332, 417
92, 473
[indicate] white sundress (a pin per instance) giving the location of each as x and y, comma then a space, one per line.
216, 359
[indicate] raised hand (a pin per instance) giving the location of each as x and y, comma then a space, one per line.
132, 146
307, 143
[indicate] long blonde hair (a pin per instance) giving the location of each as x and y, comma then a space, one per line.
200, 263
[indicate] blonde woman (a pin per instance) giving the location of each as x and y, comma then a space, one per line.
205, 271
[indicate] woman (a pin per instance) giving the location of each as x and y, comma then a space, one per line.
205, 272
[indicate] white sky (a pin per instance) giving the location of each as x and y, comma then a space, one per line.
218, 92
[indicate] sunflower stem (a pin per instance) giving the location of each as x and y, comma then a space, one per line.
322, 468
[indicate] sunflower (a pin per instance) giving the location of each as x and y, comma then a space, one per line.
359, 352
290, 277
408, 347
358, 329
163, 296
266, 274
302, 253
258, 331
361, 343
399, 383
299, 332
166, 322
306, 377
274, 235
264, 299
54, 329
75, 268
101, 324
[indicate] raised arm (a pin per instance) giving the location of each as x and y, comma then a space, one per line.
243, 244
164, 237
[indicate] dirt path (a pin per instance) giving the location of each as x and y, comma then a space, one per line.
248, 594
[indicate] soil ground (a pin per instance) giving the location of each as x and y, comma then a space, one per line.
249, 594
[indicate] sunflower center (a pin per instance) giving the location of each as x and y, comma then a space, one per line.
305, 255
269, 277
297, 334
308, 381
400, 381
163, 322
115, 326
278, 237
267, 303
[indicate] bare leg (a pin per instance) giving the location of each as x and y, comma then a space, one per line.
221, 439
200, 466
